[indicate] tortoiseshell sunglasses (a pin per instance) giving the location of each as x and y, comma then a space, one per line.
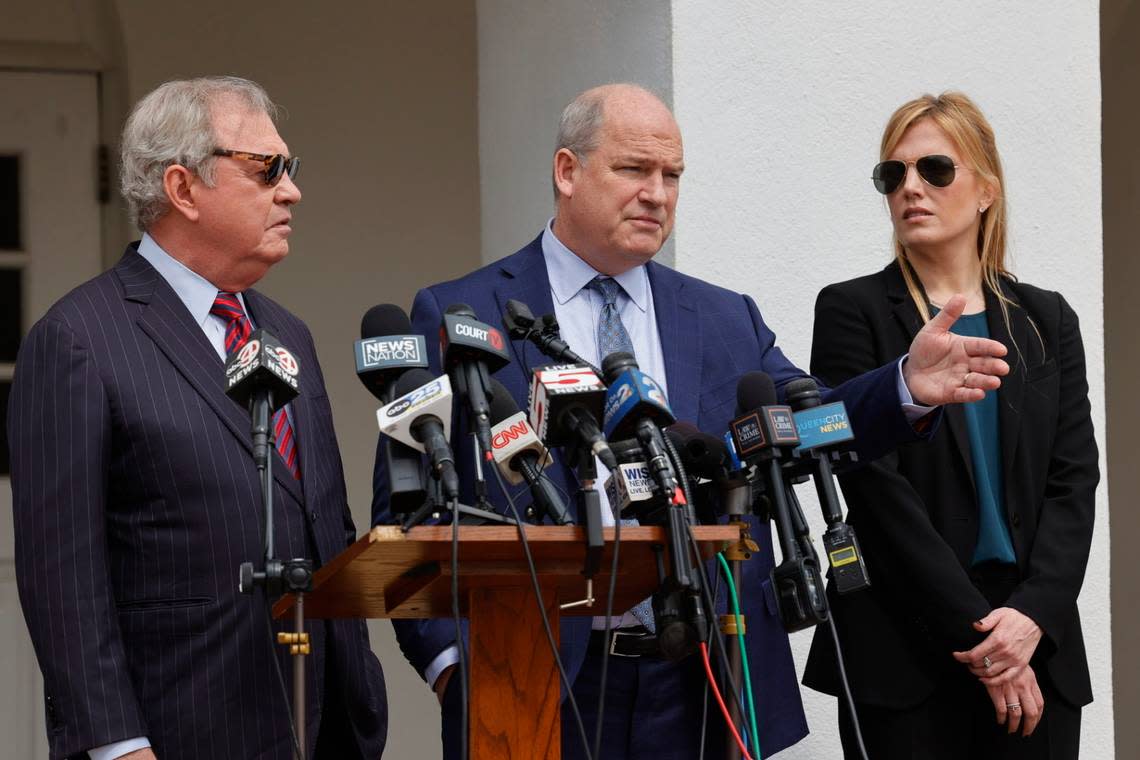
276, 165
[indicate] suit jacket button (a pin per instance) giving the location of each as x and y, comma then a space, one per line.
1016, 520
313, 515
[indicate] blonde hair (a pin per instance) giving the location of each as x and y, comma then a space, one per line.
963, 122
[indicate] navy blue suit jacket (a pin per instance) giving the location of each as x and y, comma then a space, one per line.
136, 499
710, 337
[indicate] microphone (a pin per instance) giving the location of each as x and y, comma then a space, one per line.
636, 407
630, 488
822, 427
262, 376
386, 349
566, 403
520, 324
471, 351
708, 457
518, 452
420, 417
763, 435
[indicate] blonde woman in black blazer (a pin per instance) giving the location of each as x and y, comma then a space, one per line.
968, 644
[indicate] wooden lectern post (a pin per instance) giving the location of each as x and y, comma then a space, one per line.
514, 685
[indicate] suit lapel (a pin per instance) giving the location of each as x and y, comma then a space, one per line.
1012, 391
169, 325
525, 279
906, 313
678, 326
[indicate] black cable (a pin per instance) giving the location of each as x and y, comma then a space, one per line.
705, 697
608, 633
280, 677
542, 611
266, 473
846, 687
458, 627
722, 654
682, 477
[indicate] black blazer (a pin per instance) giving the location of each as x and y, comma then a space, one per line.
136, 499
915, 511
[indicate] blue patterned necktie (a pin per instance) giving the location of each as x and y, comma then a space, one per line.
613, 337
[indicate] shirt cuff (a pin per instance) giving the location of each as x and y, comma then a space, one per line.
912, 411
118, 749
442, 662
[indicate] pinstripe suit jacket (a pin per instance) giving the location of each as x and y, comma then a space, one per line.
136, 500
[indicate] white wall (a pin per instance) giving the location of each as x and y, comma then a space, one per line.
534, 56
782, 105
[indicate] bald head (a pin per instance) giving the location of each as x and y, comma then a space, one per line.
582, 118
617, 171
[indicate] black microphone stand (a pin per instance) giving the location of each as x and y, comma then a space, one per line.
736, 554
293, 576
590, 513
480, 514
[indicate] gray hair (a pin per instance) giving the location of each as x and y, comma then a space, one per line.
579, 125
174, 125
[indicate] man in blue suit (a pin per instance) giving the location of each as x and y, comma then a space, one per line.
136, 497
616, 172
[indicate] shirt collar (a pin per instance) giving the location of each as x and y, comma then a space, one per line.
569, 274
194, 290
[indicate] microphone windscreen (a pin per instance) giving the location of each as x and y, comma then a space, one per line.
802, 393
411, 380
703, 454
384, 319
754, 390
616, 363
460, 310
502, 404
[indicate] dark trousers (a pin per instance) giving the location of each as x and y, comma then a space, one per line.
653, 711
958, 720
336, 739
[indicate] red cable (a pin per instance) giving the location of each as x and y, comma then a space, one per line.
720, 701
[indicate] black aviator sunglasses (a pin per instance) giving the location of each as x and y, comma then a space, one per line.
936, 170
276, 165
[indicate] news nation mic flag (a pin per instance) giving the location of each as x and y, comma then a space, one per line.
390, 354
262, 363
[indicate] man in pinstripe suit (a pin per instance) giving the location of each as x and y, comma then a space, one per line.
136, 498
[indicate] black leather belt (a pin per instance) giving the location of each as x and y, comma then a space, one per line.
625, 642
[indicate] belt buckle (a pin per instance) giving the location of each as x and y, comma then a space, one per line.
613, 643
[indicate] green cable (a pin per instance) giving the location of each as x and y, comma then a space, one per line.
743, 654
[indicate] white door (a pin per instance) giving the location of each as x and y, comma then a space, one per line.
49, 243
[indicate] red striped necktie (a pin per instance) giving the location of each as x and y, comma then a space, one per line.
238, 329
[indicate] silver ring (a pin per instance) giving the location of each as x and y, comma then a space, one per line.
987, 662
1014, 705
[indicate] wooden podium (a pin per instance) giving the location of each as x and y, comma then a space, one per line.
514, 686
